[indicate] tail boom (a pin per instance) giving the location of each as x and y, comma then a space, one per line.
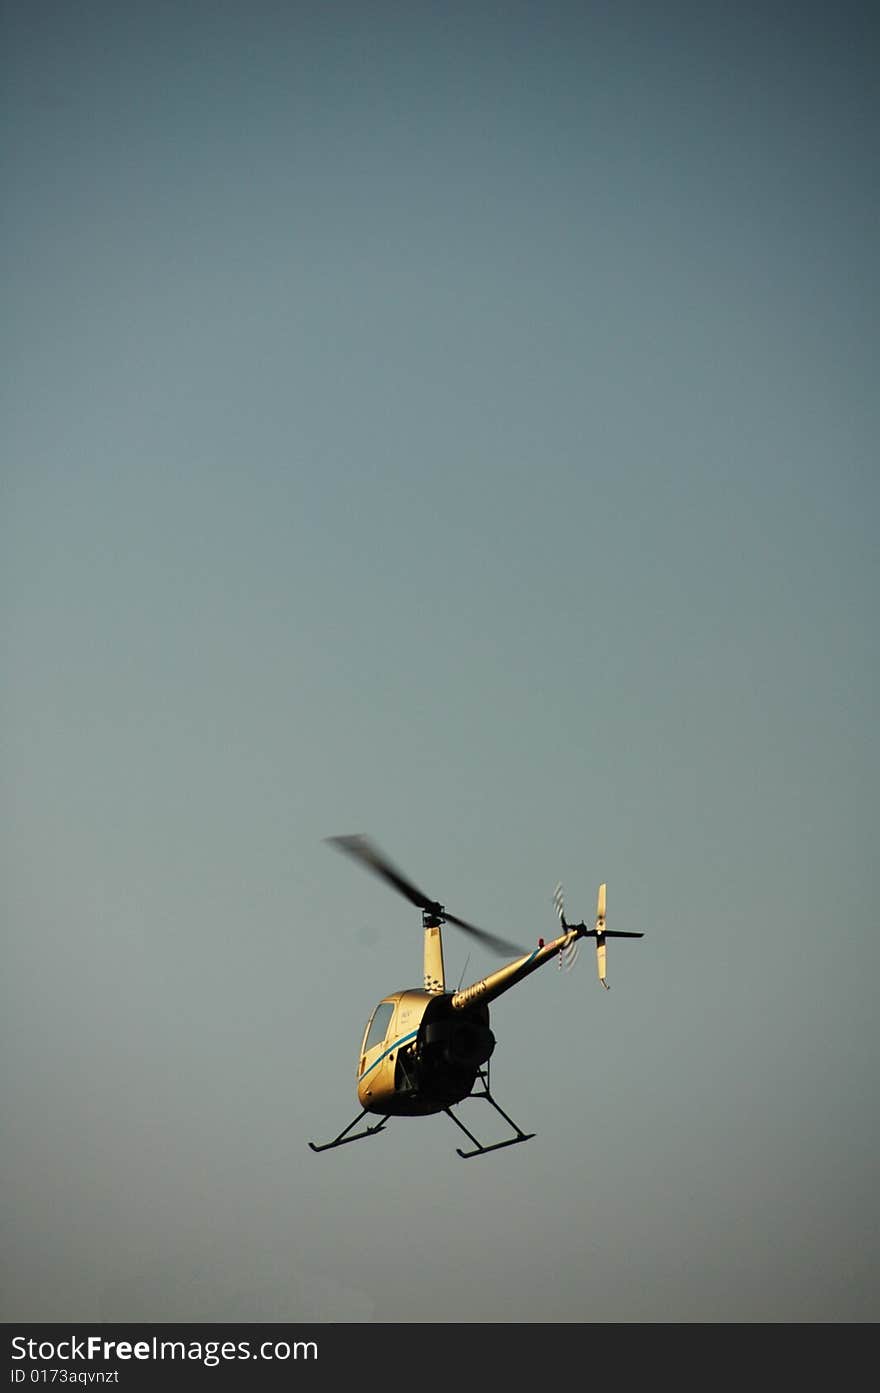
496, 983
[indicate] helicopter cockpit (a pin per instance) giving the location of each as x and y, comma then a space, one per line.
389, 1040
419, 1054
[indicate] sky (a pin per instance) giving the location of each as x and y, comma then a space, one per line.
455, 423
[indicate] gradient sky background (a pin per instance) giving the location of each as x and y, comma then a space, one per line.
458, 423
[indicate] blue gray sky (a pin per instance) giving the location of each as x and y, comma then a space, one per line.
456, 423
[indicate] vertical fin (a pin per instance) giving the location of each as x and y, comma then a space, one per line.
600, 961
600, 937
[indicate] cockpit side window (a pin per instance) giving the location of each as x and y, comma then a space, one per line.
379, 1024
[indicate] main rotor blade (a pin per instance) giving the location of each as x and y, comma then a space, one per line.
501, 945
362, 849
365, 851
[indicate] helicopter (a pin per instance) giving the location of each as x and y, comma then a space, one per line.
427, 1049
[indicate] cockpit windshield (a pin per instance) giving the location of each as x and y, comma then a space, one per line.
379, 1024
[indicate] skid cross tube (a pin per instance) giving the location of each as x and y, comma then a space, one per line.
343, 1137
479, 1148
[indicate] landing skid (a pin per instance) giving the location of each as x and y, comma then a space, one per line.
344, 1138
479, 1148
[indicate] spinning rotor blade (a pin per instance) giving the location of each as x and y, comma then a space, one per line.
559, 904
365, 851
567, 955
362, 849
501, 945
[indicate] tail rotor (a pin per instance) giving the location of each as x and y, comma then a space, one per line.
568, 953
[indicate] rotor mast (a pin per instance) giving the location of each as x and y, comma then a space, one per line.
435, 975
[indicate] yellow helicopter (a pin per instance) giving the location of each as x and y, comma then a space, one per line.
427, 1049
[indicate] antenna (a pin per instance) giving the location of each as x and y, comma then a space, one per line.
463, 971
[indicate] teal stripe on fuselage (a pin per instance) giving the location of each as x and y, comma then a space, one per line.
402, 1041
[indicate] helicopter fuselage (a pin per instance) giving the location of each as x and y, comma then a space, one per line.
420, 1054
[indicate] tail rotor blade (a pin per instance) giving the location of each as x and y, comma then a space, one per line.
559, 904
568, 956
568, 953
